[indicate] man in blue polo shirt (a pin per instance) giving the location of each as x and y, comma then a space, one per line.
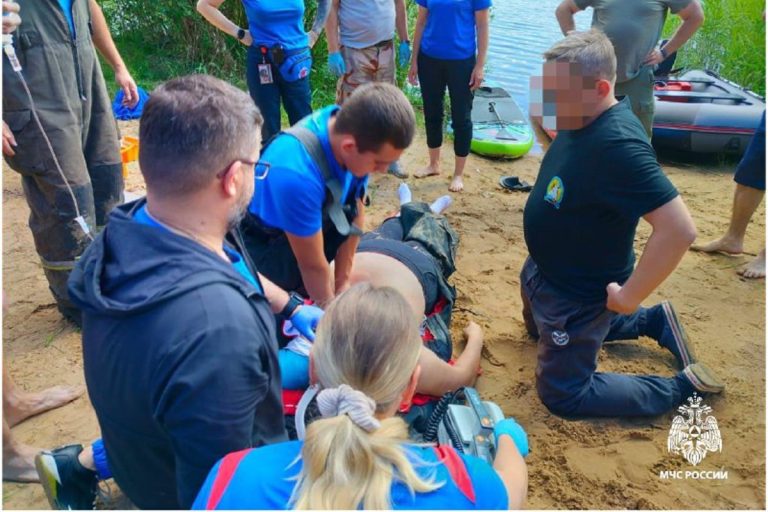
309, 209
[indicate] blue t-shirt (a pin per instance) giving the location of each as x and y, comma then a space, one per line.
292, 195
450, 30
277, 21
66, 6
141, 216
265, 479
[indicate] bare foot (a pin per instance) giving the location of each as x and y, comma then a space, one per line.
457, 185
756, 268
430, 170
724, 245
25, 405
19, 464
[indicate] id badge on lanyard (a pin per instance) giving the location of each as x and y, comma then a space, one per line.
265, 69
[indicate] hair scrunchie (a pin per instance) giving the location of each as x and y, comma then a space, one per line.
345, 400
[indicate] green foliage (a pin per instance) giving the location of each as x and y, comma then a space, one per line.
731, 42
161, 39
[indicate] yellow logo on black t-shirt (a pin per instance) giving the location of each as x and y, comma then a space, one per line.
555, 191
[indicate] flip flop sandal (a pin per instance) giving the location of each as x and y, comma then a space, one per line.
514, 184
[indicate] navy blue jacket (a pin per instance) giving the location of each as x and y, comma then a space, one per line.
180, 359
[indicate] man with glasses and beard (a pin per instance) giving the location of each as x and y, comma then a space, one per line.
179, 342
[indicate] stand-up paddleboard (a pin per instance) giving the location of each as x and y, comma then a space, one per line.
500, 129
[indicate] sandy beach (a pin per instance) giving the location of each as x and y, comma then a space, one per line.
598, 463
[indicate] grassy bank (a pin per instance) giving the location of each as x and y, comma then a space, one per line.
731, 42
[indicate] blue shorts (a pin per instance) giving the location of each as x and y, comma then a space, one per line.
751, 170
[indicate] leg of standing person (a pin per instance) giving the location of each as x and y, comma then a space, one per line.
101, 147
265, 95
459, 75
749, 193
358, 62
59, 238
18, 458
385, 72
433, 79
296, 97
639, 90
58, 189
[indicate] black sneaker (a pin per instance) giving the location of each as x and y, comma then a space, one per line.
68, 484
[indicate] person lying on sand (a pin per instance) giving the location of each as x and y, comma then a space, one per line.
413, 253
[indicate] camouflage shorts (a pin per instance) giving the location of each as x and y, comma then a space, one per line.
373, 64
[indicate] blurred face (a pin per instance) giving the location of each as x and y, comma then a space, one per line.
563, 98
361, 164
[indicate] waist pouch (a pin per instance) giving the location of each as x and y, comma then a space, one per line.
295, 66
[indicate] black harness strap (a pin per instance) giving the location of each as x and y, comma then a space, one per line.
333, 206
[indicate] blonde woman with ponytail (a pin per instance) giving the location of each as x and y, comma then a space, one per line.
357, 455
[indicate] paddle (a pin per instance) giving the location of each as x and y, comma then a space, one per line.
502, 134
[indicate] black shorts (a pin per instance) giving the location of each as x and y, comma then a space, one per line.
751, 170
411, 254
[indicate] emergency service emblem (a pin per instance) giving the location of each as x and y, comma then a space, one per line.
560, 338
694, 432
555, 191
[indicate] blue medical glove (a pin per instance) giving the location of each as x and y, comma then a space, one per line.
336, 64
404, 55
305, 320
509, 427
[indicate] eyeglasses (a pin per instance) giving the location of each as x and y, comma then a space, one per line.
260, 168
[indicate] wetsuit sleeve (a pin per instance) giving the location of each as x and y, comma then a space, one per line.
634, 182
490, 492
208, 408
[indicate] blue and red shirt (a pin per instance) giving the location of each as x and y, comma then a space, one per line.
264, 478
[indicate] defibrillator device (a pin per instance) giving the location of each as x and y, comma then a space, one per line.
459, 419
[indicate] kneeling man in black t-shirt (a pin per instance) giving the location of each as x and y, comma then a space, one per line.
580, 286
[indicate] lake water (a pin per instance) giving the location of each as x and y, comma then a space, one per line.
521, 30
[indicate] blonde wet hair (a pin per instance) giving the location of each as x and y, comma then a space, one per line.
365, 353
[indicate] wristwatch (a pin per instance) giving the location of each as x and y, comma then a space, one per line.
240, 34
663, 52
294, 301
